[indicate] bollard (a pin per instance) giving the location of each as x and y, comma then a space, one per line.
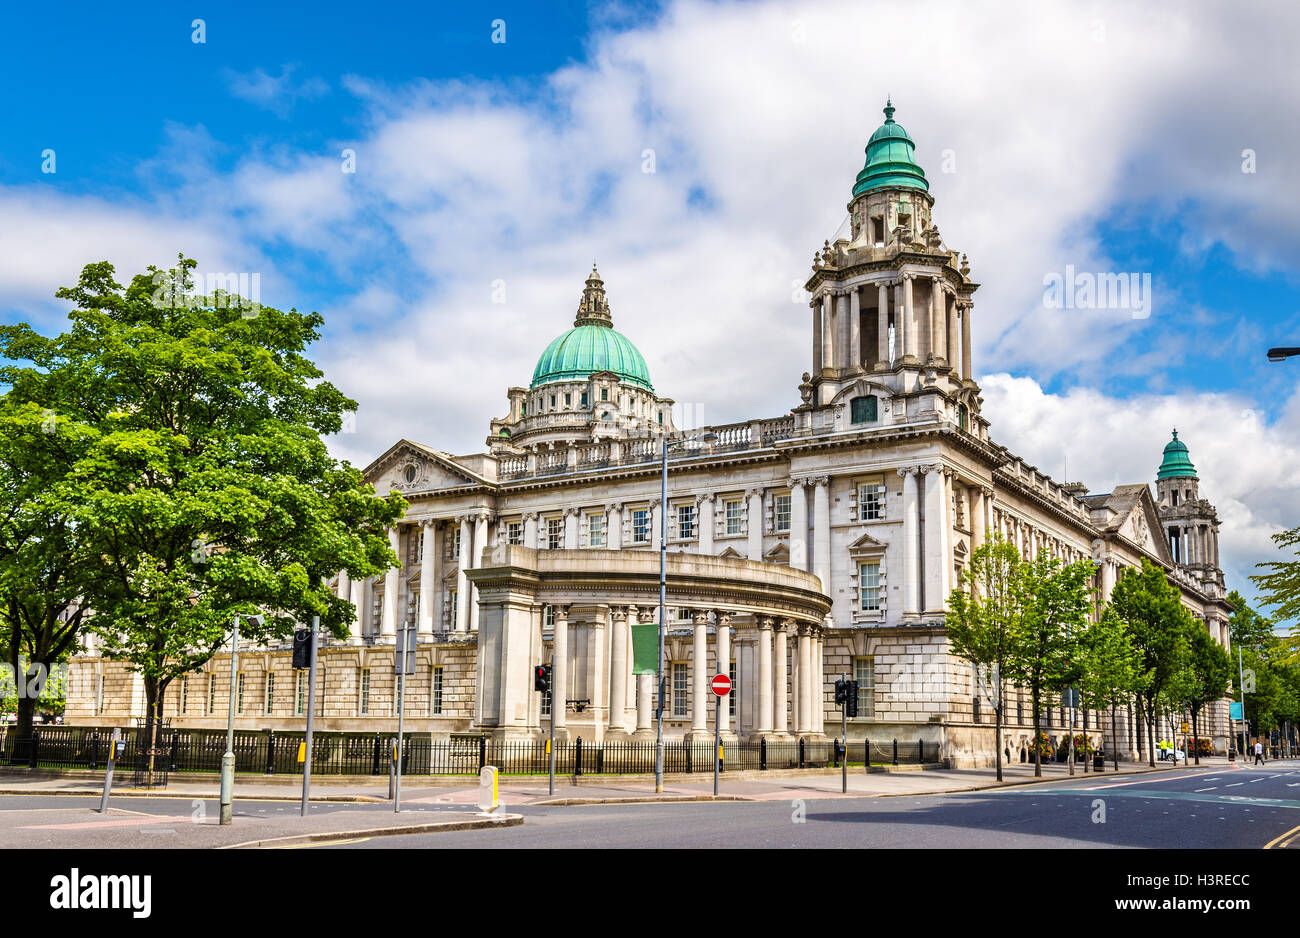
270, 751
482, 752
920, 752
94, 750
374, 763
36, 743
171, 762
801, 750
866, 753
762, 753
577, 758
895, 750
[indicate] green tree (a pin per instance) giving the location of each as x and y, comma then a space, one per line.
206, 490
1280, 590
1044, 652
1206, 677
1153, 615
1246, 626
1109, 669
984, 618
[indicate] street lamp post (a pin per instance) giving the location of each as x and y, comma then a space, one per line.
228, 759
1282, 353
663, 595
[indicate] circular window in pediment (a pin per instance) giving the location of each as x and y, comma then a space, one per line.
410, 473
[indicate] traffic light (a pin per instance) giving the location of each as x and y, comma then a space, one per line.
542, 678
302, 649
841, 689
851, 699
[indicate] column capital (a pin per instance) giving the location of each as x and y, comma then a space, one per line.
646, 614
820, 481
531, 515
618, 613
798, 483
765, 623
905, 471
570, 511
986, 490
700, 617
482, 515
613, 506
561, 612
722, 617
653, 503
706, 497
751, 492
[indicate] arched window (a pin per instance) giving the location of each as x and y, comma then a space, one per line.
863, 409
962, 416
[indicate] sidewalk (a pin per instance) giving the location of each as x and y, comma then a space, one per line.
752, 786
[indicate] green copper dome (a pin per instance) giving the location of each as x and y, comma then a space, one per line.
593, 344
891, 160
1177, 464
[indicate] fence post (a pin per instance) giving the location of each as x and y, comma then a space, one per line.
270, 751
36, 742
482, 752
920, 751
801, 752
171, 764
762, 753
94, 750
866, 752
895, 750
374, 765
577, 758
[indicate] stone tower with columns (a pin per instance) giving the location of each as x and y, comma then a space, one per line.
1191, 523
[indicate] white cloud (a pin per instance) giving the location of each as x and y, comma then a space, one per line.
275, 93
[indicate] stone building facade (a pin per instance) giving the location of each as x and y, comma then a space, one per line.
820, 542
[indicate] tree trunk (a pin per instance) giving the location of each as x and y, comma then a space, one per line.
1196, 737
1114, 738
1038, 722
997, 732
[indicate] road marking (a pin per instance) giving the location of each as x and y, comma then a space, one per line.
1284, 840
1256, 780
329, 843
1211, 788
1234, 784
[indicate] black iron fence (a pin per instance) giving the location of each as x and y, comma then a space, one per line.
370, 753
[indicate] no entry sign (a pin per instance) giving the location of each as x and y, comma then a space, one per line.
721, 685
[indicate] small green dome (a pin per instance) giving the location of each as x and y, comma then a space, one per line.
891, 160
1176, 464
593, 344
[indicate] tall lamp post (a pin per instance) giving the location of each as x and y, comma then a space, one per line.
663, 595
228, 760
1282, 354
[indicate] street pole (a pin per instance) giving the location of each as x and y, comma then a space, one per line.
311, 710
663, 596
717, 740
228, 759
1241, 697
404, 636
550, 743
1071, 760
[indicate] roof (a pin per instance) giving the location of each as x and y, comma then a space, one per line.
891, 160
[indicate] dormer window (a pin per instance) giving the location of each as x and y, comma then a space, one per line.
604, 394
878, 231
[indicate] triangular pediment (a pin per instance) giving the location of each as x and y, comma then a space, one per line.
778, 554
1142, 526
408, 466
732, 553
866, 543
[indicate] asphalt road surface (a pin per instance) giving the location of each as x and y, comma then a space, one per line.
1226, 807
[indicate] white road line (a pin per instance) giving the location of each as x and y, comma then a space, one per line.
1211, 788
1234, 784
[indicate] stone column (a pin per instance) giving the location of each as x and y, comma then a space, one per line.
798, 524
975, 507
462, 581
598, 669
822, 532
358, 603
780, 679
614, 525
1107, 577
909, 316
388, 623
618, 670
560, 675
803, 693
722, 651
571, 538
818, 683
828, 333
645, 685
764, 675
700, 674
965, 340
882, 322
938, 333
816, 308
954, 341
343, 588
530, 530
480, 541
935, 560
428, 578
754, 523
704, 522
855, 330
911, 534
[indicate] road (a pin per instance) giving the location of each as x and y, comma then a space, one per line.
1225, 807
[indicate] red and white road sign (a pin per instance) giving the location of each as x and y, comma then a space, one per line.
721, 685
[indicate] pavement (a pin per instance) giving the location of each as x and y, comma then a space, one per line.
62, 813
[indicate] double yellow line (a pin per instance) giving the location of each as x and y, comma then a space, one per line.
1284, 840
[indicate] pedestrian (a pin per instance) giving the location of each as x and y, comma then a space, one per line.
1259, 752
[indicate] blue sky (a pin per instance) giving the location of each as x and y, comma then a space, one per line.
1075, 140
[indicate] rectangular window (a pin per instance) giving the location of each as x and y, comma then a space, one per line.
548, 616
270, 693
871, 501
864, 672
863, 409
640, 525
239, 694
418, 537
869, 586
99, 694
731, 698
554, 533
568, 400
212, 694
455, 543
451, 603
975, 710
686, 522
185, 694
604, 394
596, 530
515, 533
363, 699
781, 513
300, 694
735, 515
584, 399
681, 690
1020, 707
435, 693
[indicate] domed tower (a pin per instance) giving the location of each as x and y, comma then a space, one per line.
891, 303
591, 383
1191, 523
